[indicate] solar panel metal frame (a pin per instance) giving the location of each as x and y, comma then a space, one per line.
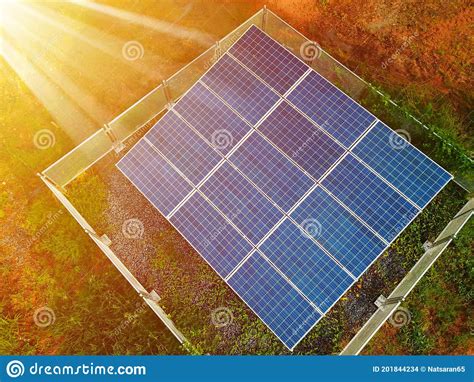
348, 150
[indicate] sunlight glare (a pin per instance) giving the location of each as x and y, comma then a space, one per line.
160, 26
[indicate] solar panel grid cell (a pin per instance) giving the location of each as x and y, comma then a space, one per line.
271, 171
306, 265
302, 141
274, 300
331, 109
408, 169
385, 210
269, 60
154, 177
242, 203
219, 125
340, 233
183, 147
211, 235
250, 97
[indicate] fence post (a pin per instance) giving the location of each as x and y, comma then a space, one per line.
117, 145
264, 18
150, 298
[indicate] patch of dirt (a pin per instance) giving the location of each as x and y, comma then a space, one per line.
363, 34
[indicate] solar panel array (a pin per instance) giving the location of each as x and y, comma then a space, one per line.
284, 185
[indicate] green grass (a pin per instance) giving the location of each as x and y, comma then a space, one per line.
440, 307
47, 259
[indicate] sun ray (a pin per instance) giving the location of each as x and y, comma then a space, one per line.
91, 106
149, 22
62, 110
88, 35
49, 45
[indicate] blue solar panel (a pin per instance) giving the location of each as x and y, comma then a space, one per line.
271, 171
269, 60
381, 207
244, 177
211, 235
241, 90
408, 169
331, 109
306, 265
340, 233
301, 140
154, 177
241, 202
274, 300
212, 118
183, 147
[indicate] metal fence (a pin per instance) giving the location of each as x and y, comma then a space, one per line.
112, 135
389, 307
